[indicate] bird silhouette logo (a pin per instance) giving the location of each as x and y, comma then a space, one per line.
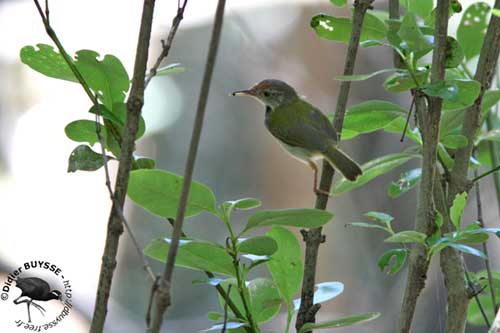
35, 289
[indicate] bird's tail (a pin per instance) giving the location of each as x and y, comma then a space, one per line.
343, 163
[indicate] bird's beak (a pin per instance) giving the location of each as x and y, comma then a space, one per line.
248, 92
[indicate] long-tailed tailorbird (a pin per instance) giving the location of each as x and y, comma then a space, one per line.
303, 130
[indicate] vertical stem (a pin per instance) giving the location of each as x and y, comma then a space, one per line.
451, 260
485, 246
163, 292
429, 119
313, 237
495, 158
115, 226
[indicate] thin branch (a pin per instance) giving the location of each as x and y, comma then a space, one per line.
52, 34
162, 299
223, 330
485, 247
313, 237
487, 173
451, 260
495, 158
476, 298
137, 248
472, 119
115, 225
170, 39
394, 14
428, 119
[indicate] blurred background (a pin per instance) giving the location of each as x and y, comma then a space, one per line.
49, 214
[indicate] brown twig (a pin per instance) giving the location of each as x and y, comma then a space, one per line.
451, 260
313, 237
428, 118
170, 39
52, 34
162, 298
115, 226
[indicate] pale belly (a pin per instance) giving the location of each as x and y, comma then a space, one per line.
302, 154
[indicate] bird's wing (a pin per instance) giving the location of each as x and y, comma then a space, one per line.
303, 126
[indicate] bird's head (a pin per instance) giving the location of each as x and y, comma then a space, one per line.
55, 294
272, 93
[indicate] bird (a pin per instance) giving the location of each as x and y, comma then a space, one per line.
301, 128
35, 289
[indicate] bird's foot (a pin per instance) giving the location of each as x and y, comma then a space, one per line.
319, 191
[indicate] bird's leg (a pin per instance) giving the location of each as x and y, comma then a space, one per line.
39, 307
315, 185
29, 315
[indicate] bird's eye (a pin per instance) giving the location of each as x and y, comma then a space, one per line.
267, 94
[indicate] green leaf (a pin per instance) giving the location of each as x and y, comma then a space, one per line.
399, 256
362, 77
170, 70
474, 314
457, 208
367, 225
379, 216
341, 322
339, 28
371, 170
243, 204
85, 159
490, 99
325, 291
304, 218
84, 131
398, 126
408, 236
370, 116
159, 192
493, 135
403, 81
286, 266
496, 12
338, 3
410, 33
454, 53
258, 245
406, 181
265, 301
118, 116
447, 90
472, 28
467, 92
144, 163
451, 121
240, 204
439, 220
454, 141
468, 250
230, 325
193, 254
420, 7
47, 62
107, 77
